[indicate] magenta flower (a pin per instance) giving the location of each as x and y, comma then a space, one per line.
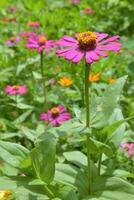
56, 115
40, 43
15, 89
90, 45
34, 24
75, 1
129, 147
12, 41
11, 9
27, 34
88, 11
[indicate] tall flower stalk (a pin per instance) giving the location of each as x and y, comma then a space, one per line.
91, 46
89, 168
43, 80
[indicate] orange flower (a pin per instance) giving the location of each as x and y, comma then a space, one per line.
111, 81
94, 77
4, 194
65, 81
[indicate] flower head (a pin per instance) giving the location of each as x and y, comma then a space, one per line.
4, 194
40, 43
34, 24
15, 89
11, 9
129, 147
27, 34
88, 11
94, 77
56, 115
75, 2
90, 45
111, 81
65, 81
12, 41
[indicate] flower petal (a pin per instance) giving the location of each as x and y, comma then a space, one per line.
78, 57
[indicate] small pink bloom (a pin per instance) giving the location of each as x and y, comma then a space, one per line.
15, 89
27, 34
88, 11
90, 45
11, 9
40, 43
75, 2
12, 41
129, 147
34, 24
56, 115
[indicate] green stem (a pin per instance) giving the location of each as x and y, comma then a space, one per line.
43, 79
99, 164
48, 192
87, 71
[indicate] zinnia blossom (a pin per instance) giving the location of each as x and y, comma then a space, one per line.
15, 89
88, 11
94, 77
75, 2
4, 194
12, 41
40, 43
11, 9
27, 34
65, 81
129, 147
56, 115
111, 81
34, 24
90, 45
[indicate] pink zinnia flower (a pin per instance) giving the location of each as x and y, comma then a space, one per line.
88, 11
12, 41
34, 24
11, 9
90, 45
75, 1
15, 89
129, 147
27, 34
40, 43
56, 115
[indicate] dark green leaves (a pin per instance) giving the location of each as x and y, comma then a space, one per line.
43, 158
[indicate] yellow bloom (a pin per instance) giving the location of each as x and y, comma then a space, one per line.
94, 77
4, 194
65, 81
111, 81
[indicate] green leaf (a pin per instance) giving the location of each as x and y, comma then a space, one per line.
43, 158
102, 107
12, 153
22, 117
76, 157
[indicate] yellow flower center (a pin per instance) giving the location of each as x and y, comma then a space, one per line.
87, 40
16, 87
55, 110
12, 39
65, 81
42, 40
4, 194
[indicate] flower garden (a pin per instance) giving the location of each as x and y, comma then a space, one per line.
66, 100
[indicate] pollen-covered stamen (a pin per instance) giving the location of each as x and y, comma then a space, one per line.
16, 87
12, 39
42, 40
55, 112
87, 40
